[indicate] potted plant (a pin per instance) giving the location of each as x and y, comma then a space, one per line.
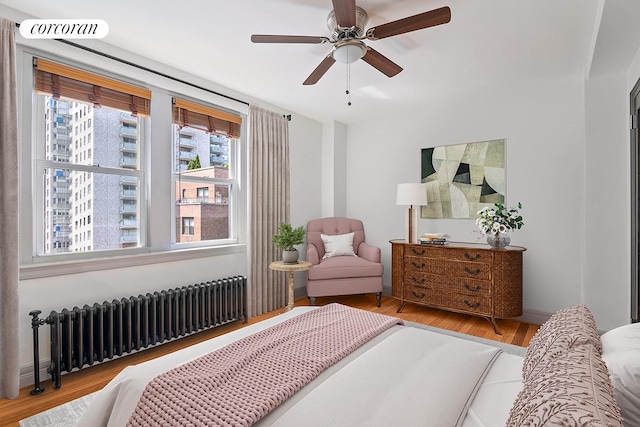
287, 239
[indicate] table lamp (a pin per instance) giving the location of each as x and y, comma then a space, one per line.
412, 194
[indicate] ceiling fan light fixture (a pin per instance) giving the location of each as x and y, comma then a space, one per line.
349, 52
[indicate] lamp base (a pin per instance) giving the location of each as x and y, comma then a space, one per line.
411, 225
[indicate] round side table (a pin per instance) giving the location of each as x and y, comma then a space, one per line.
290, 268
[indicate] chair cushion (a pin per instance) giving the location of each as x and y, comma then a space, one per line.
338, 244
339, 267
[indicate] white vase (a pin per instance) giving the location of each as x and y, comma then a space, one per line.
498, 240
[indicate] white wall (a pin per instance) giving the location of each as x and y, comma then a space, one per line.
543, 124
66, 291
306, 148
334, 159
607, 268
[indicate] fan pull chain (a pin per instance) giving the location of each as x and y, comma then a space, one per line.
348, 91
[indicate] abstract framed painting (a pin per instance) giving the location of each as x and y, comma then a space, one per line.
462, 179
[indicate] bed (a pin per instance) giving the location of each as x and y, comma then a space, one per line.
400, 374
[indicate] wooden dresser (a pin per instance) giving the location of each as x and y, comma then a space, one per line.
462, 277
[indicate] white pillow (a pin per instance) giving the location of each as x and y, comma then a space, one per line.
336, 245
623, 338
621, 353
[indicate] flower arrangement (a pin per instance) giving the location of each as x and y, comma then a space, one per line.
499, 219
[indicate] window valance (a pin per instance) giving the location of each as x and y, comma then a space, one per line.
190, 114
60, 80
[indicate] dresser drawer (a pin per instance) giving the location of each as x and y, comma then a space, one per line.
471, 287
470, 303
458, 254
423, 295
478, 304
426, 265
447, 283
443, 266
472, 270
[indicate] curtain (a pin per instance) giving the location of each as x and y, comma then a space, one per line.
268, 207
9, 354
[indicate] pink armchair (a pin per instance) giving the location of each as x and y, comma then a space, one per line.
341, 274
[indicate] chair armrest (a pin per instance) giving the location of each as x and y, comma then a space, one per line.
369, 252
312, 254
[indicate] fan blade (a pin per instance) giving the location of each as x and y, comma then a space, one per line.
320, 70
345, 11
381, 63
411, 23
266, 38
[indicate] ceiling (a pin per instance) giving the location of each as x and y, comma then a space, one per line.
486, 43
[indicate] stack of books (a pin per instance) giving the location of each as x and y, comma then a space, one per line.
433, 239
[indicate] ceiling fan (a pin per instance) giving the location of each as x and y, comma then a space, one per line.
347, 23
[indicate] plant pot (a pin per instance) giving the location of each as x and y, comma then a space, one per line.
290, 257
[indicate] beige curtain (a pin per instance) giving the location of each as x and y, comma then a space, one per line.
9, 355
268, 206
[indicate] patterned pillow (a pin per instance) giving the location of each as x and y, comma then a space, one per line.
573, 390
567, 328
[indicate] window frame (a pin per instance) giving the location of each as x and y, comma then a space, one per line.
40, 164
234, 193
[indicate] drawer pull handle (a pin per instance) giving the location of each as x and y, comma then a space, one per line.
476, 305
474, 289
421, 281
472, 258
477, 271
419, 296
415, 252
416, 265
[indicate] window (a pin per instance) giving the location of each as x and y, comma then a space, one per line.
205, 141
87, 177
188, 225
203, 194
94, 207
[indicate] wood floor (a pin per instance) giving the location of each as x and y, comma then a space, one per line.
86, 381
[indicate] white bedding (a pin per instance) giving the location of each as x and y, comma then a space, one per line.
390, 381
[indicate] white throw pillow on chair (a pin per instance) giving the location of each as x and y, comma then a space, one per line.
337, 245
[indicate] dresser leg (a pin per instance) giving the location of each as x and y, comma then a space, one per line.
493, 322
401, 307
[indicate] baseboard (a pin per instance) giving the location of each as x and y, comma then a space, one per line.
533, 316
300, 292
26, 373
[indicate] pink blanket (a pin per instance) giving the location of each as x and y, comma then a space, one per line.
242, 382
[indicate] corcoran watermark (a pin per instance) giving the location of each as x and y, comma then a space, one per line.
64, 28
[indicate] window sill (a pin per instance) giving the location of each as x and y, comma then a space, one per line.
37, 271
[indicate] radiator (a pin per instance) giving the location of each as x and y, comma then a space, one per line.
83, 336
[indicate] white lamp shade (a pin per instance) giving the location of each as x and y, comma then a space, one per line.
412, 194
